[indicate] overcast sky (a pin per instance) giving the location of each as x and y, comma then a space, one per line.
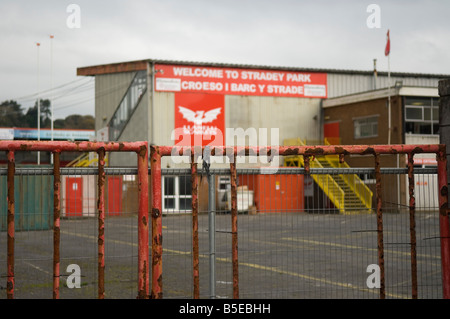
310, 34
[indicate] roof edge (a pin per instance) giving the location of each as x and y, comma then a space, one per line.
113, 68
379, 94
137, 65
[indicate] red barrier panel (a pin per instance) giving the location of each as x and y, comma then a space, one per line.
308, 152
56, 147
157, 152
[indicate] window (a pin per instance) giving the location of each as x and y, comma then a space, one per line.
177, 194
366, 127
421, 116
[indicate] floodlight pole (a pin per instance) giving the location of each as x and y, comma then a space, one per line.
51, 90
38, 107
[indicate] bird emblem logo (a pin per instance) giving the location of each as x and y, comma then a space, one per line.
199, 117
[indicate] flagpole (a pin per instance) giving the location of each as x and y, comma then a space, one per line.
51, 94
388, 53
389, 97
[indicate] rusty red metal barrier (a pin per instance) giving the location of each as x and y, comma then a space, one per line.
11, 230
195, 248
101, 223
143, 240
234, 228
155, 166
444, 220
56, 147
157, 152
56, 222
307, 152
380, 241
412, 225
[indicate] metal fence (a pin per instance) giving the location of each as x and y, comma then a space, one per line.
226, 232
287, 250
35, 249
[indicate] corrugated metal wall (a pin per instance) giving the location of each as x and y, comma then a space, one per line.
164, 113
344, 84
136, 130
293, 117
109, 91
33, 202
249, 112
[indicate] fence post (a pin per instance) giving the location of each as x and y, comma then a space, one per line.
443, 176
155, 167
380, 226
234, 228
412, 224
143, 241
195, 251
212, 234
444, 119
101, 223
11, 225
56, 223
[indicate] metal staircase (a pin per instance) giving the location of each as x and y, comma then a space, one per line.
86, 160
127, 105
347, 192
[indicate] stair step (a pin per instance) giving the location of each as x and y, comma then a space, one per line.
351, 199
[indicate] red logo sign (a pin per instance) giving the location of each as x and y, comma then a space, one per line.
199, 119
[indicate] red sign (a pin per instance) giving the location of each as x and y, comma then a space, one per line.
199, 119
234, 81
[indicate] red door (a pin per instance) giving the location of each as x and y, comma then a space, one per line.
74, 196
114, 195
331, 132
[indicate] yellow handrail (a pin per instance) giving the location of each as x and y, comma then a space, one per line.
78, 159
84, 161
353, 181
325, 181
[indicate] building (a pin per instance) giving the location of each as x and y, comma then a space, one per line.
170, 102
400, 115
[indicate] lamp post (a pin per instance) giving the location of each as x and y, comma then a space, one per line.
51, 92
38, 106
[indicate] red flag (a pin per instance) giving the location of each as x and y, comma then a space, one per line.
388, 45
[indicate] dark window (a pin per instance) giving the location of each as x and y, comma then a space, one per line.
422, 116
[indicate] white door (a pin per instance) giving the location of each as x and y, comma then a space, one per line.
177, 194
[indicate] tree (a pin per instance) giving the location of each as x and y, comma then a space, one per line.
76, 121
11, 114
31, 115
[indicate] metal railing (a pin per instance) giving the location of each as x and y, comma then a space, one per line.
246, 258
140, 148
